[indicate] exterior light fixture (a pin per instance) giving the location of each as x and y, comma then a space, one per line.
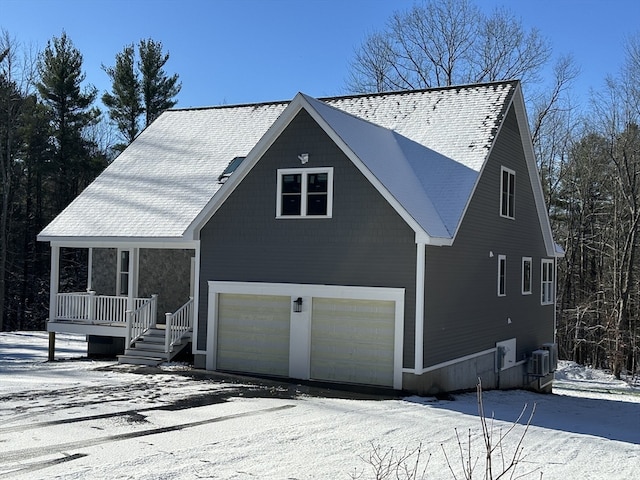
297, 305
304, 158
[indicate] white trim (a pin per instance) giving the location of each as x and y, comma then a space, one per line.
510, 203
449, 362
119, 331
196, 304
119, 242
119, 271
90, 270
304, 172
534, 177
552, 282
420, 286
212, 330
309, 291
502, 258
530, 291
300, 339
54, 282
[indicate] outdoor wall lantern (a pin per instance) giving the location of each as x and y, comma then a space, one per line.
297, 305
304, 158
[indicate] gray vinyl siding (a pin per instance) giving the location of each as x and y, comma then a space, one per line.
463, 313
365, 243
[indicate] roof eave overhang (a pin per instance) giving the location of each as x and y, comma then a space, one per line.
118, 242
424, 238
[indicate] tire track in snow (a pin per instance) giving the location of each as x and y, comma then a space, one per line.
33, 467
52, 449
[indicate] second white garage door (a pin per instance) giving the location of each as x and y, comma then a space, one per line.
352, 341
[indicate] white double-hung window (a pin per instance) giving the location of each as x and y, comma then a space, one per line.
547, 283
305, 192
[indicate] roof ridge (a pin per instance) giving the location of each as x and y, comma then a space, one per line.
350, 96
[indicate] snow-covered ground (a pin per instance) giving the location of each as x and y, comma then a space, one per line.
76, 419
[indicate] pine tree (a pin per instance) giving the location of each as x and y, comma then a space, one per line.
61, 76
125, 100
158, 90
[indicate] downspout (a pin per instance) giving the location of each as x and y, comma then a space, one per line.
419, 327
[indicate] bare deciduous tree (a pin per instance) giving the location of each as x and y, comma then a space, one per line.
449, 42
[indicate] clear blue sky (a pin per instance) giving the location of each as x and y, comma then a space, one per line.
240, 51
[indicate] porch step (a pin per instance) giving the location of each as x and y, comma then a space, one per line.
140, 360
149, 349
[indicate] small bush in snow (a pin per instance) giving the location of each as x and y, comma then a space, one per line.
499, 456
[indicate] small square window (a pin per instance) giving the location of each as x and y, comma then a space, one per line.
507, 192
526, 275
305, 193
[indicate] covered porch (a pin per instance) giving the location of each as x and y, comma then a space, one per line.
131, 292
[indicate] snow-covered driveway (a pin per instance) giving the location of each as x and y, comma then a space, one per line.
82, 419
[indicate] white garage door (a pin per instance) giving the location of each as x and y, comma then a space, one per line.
352, 341
253, 333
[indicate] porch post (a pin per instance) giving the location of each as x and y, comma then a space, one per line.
54, 281
90, 270
133, 279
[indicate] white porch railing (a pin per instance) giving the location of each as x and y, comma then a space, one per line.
141, 319
91, 308
177, 325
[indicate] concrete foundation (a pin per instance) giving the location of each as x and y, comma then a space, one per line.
464, 376
200, 361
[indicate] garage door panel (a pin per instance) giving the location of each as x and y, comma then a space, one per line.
353, 341
253, 333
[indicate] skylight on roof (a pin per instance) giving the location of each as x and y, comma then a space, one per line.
233, 164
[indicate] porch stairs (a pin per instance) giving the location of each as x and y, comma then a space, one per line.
149, 349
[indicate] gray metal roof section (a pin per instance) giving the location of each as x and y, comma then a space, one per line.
158, 186
431, 187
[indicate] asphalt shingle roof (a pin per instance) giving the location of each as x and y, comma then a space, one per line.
163, 180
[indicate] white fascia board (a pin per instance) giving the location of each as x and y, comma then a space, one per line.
274, 131
121, 242
536, 185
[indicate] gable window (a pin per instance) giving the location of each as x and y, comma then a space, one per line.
305, 193
124, 266
502, 275
507, 192
547, 284
526, 275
